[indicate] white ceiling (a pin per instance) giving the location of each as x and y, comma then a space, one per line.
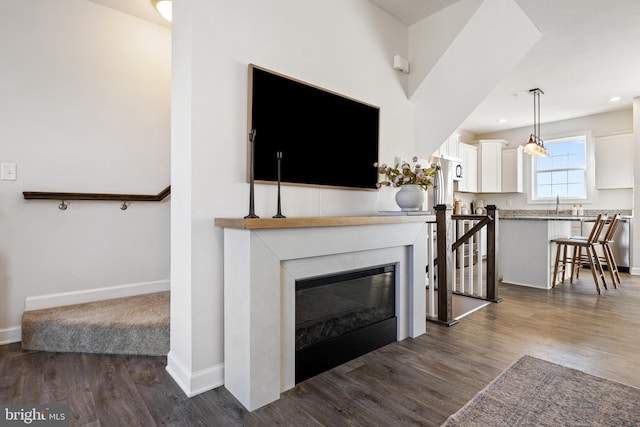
412, 11
140, 8
589, 52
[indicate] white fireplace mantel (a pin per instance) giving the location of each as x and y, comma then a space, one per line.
262, 260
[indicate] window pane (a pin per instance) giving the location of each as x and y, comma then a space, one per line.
558, 177
544, 163
576, 177
544, 178
576, 190
575, 147
559, 190
575, 161
544, 191
558, 149
560, 162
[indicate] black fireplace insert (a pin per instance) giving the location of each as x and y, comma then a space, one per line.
342, 316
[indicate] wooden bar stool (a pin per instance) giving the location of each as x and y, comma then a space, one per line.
607, 257
590, 257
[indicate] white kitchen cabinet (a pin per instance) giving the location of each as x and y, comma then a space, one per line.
512, 159
490, 165
614, 161
449, 148
469, 157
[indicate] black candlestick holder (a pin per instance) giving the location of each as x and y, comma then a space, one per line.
279, 214
252, 139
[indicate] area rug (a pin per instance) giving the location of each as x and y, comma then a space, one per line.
534, 392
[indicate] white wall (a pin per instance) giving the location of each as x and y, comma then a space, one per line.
612, 123
84, 107
432, 36
347, 47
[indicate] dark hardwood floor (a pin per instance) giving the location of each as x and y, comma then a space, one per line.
414, 382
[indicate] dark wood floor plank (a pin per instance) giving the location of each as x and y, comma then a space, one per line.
413, 382
282, 414
333, 404
166, 402
407, 389
377, 399
75, 389
38, 383
116, 397
12, 374
219, 408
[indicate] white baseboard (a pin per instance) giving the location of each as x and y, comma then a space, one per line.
528, 285
10, 335
98, 294
193, 383
634, 271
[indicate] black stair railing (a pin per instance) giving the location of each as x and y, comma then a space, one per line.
451, 259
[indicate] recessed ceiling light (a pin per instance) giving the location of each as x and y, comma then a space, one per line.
502, 120
614, 99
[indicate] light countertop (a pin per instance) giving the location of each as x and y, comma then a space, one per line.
547, 217
563, 215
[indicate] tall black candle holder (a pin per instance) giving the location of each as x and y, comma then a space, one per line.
252, 139
279, 214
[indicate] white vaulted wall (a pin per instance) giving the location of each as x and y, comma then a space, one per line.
469, 62
84, 107
430, 38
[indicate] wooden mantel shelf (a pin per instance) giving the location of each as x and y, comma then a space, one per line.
319, 221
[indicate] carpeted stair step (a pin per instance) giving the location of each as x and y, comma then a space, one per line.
137, 325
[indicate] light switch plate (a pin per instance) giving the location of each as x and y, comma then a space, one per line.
8, 172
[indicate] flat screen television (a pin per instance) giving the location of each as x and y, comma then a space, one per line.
326, 139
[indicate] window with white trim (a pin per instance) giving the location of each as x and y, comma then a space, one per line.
564, 172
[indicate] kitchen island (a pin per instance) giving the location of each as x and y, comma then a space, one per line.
526, 256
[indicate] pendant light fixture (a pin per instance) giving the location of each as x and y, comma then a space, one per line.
535, 146
163, 7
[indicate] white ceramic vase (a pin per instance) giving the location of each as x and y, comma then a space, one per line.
410, 197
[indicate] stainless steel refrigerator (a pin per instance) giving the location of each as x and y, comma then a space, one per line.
449, 171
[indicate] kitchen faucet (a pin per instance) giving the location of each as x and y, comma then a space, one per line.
557, 204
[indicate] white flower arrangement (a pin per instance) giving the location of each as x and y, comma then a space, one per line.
404, 174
